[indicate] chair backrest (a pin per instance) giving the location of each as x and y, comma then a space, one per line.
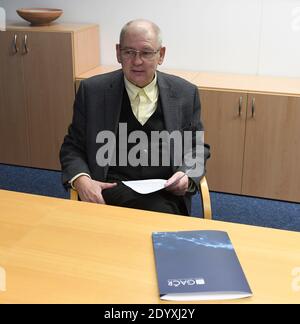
204, 194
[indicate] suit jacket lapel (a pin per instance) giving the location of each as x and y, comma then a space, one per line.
169, 103
113, 106
113, 102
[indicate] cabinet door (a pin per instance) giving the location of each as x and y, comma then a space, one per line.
13, 118
49, 84
272, 147
223, 115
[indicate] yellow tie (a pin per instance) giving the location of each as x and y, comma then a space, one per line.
145, 109
142, 105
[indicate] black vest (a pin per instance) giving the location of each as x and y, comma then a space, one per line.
139, 172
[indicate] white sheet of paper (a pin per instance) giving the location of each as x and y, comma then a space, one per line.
146, 186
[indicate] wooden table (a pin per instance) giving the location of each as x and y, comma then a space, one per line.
61, 251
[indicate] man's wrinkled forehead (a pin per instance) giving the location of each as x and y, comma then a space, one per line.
140, 30
140, 35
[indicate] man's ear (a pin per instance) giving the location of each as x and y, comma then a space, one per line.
118, 53
162, 53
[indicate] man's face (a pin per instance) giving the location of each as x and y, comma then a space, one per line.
137, 67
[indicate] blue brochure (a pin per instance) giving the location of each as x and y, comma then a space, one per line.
198, 265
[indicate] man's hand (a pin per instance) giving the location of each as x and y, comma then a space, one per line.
178, 184
90, 190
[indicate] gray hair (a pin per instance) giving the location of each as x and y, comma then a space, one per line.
154, 27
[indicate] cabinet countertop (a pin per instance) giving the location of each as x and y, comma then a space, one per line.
224, 81
54, 27
248, 83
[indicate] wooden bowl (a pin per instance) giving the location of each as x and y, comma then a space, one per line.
39, 16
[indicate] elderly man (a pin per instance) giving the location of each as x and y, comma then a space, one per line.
142, 99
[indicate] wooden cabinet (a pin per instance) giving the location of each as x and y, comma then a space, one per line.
224, 116
13, 116
38, 70
272, 147
255, 143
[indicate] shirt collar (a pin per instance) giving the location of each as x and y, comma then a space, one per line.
150, 90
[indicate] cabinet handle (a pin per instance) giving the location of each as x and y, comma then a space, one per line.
253, 108
25, 45
240, 106
15, 44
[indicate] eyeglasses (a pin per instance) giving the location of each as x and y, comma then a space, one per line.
129, 53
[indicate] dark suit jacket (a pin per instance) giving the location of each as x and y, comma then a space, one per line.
97, 107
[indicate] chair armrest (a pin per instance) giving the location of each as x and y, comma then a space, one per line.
206, 204
73, 194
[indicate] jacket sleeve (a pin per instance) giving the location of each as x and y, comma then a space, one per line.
73, 156
195, 151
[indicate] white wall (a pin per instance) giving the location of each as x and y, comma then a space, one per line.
239, 36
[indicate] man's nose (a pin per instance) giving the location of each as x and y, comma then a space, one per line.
137, 59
